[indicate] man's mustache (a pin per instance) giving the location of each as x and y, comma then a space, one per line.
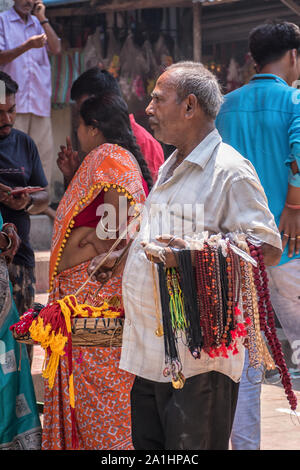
152, 121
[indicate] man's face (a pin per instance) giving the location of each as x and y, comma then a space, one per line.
24, 6
165, 113
7, 116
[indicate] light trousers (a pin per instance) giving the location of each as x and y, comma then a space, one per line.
39, 128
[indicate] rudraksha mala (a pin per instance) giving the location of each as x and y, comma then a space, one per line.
267, 321
218, 291
201, 303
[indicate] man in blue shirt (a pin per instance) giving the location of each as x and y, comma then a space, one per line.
262, 121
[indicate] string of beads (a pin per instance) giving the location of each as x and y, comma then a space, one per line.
267, 322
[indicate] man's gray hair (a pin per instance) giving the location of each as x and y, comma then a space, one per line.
193, 78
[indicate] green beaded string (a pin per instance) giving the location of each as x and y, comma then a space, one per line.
178, 317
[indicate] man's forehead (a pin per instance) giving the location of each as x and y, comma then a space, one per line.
10, 101
164, 84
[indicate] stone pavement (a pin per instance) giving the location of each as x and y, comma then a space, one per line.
280, 428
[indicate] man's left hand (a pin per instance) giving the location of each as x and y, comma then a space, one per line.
289, 227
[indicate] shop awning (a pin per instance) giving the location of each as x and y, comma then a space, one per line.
51, 3
115, 5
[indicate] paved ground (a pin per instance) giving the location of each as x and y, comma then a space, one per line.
279, 427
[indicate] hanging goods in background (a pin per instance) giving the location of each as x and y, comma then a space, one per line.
215, 302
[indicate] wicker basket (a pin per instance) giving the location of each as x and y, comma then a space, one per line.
22, 339
103, 332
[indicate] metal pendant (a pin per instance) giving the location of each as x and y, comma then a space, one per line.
159, 331
179, 382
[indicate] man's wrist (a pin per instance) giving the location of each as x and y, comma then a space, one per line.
26, 45
44, 21
292, 206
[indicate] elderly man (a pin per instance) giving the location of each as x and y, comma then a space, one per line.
26, 37
202, 172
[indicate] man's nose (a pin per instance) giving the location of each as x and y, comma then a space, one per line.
149, 109
6, 118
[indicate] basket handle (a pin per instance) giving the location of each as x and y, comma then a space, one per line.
112, 248
118, 261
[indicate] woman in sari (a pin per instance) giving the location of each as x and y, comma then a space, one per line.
113, 166
20, 427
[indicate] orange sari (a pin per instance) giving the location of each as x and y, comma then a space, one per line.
102, 390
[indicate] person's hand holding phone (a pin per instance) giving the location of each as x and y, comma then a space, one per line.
39, 10
16, 202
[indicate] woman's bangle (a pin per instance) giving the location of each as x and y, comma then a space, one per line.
11, 226
292, 206
9, 241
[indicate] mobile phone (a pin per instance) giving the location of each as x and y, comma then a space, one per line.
27, 190
36, 6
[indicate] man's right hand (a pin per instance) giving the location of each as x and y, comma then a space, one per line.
37, 41
68, 160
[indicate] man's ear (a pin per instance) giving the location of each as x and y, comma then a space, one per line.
293, 56
191, 104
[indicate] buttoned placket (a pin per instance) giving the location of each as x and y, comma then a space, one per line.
29, 64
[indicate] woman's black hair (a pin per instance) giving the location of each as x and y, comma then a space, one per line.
269, 42
109, 114
95, 82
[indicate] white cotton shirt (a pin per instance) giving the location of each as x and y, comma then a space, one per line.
216, 190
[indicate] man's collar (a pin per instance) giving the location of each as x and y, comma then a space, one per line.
14, 16
202, 153
267, 76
